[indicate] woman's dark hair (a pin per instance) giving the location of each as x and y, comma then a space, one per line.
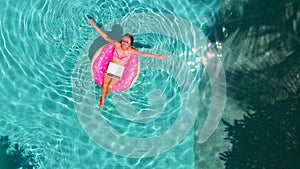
130, 36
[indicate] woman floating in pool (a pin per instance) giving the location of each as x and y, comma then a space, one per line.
115, 68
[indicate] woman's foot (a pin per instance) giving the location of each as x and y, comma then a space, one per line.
101, 104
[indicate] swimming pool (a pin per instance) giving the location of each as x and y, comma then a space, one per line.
170, 117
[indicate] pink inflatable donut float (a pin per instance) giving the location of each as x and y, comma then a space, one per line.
100, 63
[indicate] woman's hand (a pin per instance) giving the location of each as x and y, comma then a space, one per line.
162, 58
91, 22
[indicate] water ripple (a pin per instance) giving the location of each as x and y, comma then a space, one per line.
40, 43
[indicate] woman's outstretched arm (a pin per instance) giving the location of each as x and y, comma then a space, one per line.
149, 55
101, 32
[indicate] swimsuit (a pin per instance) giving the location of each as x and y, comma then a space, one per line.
123, 59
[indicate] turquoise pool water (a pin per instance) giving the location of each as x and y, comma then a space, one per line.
170, 117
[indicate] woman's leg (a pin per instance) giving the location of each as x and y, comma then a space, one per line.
106, 83
111, 85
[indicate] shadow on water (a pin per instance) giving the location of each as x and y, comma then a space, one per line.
268, 134
115, 33
238, 14
13, 157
